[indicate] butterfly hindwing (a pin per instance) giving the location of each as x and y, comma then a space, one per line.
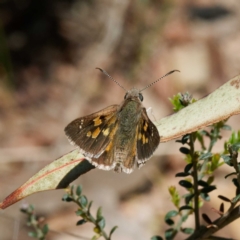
147, 139
93, 133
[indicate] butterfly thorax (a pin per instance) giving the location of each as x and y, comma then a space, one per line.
129, 114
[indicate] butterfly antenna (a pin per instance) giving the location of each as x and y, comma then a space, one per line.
149, 85
103, 71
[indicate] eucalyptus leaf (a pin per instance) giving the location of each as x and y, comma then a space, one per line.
219, 105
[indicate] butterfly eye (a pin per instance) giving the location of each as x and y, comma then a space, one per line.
140, 97
125, 96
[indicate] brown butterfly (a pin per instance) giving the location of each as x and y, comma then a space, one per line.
118, 137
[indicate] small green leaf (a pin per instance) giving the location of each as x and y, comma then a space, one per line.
184, 217
226, 127
185, 183
156, 238
188, 167
112, 231
221, 208
169, 221
188, 197
71, 189
210, 180
67, 198
78, 190
204, 132
205, 156
176, 103
185, 207
235, 181
236, 199
33, 234
182, 174
236, 146
89, 206
99, 213
205, 196
171, 214
81, 222
184, 150
79, 212
169, 233
31, 208
95, 237
175, 195
187, 230
101, 223
202, 183
206, 218
208, 189
224, 198
45, 229
185, 138
83, 201
227, 159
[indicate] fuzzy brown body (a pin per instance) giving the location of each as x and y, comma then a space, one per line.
125, 142
119, 136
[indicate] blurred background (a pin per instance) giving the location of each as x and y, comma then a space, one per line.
48, 54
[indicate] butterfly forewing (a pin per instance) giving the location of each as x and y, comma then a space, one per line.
93, 133
147, 138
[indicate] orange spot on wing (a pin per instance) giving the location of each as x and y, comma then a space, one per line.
97, 121
109, 146
145, 127
139, 136
96, 133
106, 132
89, 134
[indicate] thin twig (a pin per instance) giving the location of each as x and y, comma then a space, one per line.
195, 182
221, 222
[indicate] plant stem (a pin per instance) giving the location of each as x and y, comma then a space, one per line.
223, 221
90, 218
195, 182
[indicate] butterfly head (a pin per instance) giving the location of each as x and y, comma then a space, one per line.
134, 94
